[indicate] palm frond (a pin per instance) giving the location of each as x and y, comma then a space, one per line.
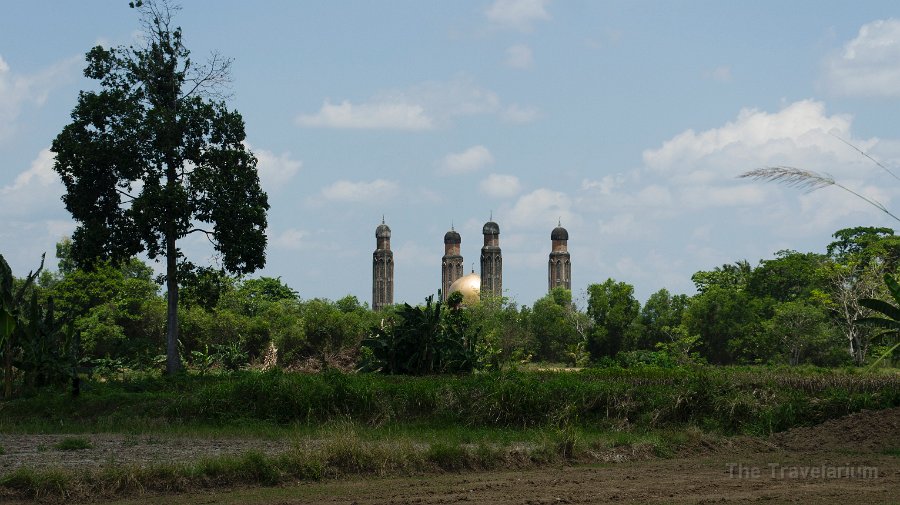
881, 307
893, 287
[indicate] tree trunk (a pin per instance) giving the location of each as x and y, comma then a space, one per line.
173, 360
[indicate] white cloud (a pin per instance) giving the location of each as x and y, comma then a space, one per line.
33, 189
500, 186
542, 206
868, 65
32, 214
727, 196
517, 114
517, 14
291, 239
458, 97
800, 132
605, 185
470, 160
721, 74
378, 115
697, 171
687, 200
413, 253
17, 90
275, 170
621, 225
362, 191
519, 56
424, 106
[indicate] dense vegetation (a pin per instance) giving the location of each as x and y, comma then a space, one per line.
796, 308
724, 400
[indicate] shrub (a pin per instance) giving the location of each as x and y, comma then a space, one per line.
73, 444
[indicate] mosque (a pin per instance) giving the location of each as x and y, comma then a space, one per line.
473, 286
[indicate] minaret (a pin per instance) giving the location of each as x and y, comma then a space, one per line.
559, 270
382, 269
451, 263
491, 261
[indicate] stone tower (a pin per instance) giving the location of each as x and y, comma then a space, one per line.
559, 270
382, 269
451, 263
491, 261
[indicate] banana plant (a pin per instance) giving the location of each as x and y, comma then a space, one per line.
45, 342
10, 314
889, 318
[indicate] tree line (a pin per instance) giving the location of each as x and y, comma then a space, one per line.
795, 308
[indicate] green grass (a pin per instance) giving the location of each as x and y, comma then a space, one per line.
267, 404
343, 454
338, 424
73, 444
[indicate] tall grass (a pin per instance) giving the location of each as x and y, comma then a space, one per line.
343, 454
741, 400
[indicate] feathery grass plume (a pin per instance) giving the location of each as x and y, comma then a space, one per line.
808, 180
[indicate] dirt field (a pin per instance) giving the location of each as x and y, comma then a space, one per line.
849, 460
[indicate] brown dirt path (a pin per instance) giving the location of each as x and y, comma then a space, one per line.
704, 480
853, 459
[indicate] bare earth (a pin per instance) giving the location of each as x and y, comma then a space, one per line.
848, 460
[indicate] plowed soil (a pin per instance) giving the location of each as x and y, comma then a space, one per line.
849, 460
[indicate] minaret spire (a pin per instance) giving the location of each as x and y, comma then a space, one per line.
491, 260
382, 268
452, 262
559, 268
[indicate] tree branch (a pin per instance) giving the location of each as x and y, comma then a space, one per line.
211, 76
133, 198
209, 235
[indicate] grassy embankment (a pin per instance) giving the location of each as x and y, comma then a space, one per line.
339, 424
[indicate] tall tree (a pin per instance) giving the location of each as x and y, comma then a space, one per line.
613, 308
552, 324
658, 316
155, 155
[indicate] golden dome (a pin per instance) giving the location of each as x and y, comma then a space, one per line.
469, 286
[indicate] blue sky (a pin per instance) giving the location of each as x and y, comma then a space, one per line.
629, 121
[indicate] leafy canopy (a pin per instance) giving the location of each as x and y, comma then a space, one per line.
151, 156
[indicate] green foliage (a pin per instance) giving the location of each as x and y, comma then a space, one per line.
889, 319
150, 158
505, 330
730, 276
73, 444
800, 328
863, 244
551, 325
423, 340
116, 310
31, 336
47, 354
724, 318
613, 309
202, 286
720, 399
662, 312
681, 346
791, 276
